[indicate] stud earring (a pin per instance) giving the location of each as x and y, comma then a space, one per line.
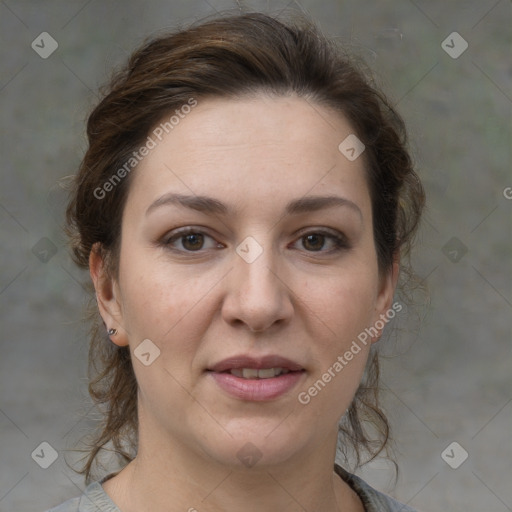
112, 332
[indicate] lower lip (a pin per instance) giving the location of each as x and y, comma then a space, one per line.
257, 390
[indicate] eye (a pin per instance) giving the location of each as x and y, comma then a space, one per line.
316, 241
190, 240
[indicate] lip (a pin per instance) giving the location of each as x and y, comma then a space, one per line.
257, 390
258, 363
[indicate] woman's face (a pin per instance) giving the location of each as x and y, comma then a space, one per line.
271, 276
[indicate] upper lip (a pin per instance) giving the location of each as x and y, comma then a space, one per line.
258, 363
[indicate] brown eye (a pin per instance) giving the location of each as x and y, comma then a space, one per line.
192, 241
313, 242
188, 240
323, 242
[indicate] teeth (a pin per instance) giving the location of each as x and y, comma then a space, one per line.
268, 373
250, 373
253, 373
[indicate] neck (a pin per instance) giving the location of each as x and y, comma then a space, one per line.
177, 479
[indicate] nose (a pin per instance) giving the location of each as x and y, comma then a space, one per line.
257, 295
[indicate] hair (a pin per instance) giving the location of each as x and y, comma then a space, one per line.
230, 57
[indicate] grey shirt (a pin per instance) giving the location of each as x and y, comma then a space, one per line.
95, 499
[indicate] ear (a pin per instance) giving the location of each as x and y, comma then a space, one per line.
387, 286
107, 296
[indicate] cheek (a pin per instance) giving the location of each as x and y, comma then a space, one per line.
345, 303
342, 311
154, 297
169, 306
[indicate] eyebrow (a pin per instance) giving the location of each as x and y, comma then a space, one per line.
206, 204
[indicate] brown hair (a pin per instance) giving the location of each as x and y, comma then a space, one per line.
232, 56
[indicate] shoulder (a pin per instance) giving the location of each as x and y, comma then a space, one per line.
68, 506
94, 498
372, 499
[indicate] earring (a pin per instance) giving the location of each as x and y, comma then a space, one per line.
112, 332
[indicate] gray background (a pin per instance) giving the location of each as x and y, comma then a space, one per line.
446, 378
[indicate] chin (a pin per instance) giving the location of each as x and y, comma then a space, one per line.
256, 444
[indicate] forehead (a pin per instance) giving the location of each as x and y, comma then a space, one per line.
253, 149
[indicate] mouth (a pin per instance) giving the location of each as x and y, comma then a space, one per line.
256, 379
254, 373
254, 367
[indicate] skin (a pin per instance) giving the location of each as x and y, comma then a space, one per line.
254, 154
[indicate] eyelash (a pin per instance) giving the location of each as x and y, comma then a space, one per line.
339, 241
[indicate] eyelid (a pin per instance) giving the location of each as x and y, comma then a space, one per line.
320, 230
178, 233
338, 239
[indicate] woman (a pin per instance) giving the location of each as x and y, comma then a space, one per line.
242, 207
